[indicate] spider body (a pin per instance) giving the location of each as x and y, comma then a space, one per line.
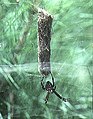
50, 88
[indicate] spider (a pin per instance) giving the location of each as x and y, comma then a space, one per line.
50, 88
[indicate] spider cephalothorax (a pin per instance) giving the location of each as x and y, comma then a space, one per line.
50, 88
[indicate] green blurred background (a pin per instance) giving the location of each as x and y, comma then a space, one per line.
21, 95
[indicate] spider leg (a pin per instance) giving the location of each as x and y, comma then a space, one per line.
52, 80
54, 88
47, 97
42, 84
58, 95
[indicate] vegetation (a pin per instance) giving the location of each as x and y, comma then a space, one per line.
21, 95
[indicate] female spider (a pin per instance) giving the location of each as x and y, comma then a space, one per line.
50, 88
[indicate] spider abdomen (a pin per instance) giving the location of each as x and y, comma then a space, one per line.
49, 87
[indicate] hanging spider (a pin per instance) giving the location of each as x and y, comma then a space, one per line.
50, 88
